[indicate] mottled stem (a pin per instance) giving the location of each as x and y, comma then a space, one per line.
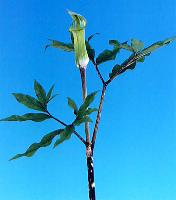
89, 152
91, 182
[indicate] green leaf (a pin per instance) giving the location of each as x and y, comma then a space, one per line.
141, 59
90, 51
158, 45
130, 63
49, 97
65, 135
61, 45
36, 117
147, 51
49, 93
79, 120
45, 141
119, 45
89, 99
132, 66
125, 46
90, 111
52, 97
107, 55
116, 70
91, 36
73, 105
29, 101
137, 45
40, 92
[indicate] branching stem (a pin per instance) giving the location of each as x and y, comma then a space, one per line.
105, 84
125, 66
98, 72
98, 115
64, 124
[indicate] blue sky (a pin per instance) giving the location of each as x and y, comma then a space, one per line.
135, 154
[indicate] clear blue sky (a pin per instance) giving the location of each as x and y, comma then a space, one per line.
135, 154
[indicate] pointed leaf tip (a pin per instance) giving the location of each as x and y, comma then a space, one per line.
36, 117
44, 142
89, 99
40, 93
91, 36
73, 105
61, 45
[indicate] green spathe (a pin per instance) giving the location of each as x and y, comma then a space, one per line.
77, 29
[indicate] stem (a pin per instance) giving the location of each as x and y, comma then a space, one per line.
89, 152
125, 65
64, 124
91, 178
98, 116
84, 93
98, 72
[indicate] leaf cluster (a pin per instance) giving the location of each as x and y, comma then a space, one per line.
136, 48
40, 103
82, 114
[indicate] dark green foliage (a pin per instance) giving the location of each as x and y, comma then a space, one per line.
45, 141
36, 117
61, 45
90, 111
82, 119
84, 110
91, 36
42, 98
138, 55
90, 51
141, 59
125, 46
82, 114
73, 105
107, 55
29, 101
130, 62
116, 70
33, 103
89, 99
40, 93
65, 134
49, 93
52, 97
131, 66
